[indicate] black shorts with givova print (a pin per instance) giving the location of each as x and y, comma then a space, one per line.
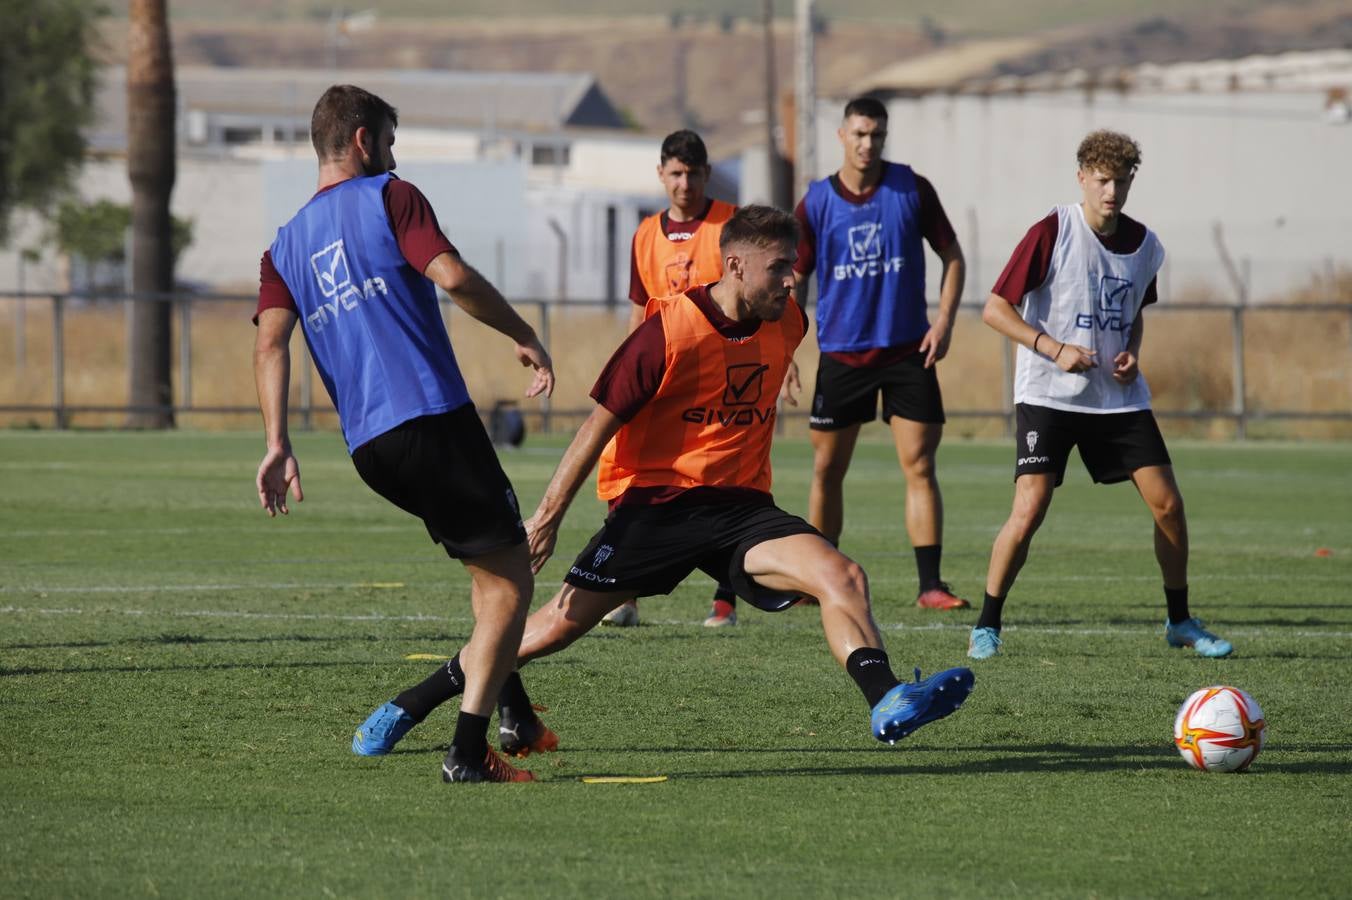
646, 550
1112, 445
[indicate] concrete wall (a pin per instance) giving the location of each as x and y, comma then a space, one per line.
1267, 166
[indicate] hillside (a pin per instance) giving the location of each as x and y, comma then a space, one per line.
670, 69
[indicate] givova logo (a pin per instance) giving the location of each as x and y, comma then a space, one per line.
865, 241
866, 254
335, 281
1112, 293
331, 269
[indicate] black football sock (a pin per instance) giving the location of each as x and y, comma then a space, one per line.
725, 593
1177, 598
869, 668
513, 703
446, 682
991, 608
927, 564
470, 743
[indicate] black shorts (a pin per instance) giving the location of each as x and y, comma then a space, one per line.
443, 469
1112, 445
848, 395
647, 550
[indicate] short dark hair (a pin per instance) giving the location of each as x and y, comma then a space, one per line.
868, 107
685, 146
340, 112
760, 226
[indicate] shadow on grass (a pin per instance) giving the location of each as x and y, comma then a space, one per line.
1011, 759
442, 639
7, 672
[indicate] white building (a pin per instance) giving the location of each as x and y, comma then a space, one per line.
534, 177
1258, 146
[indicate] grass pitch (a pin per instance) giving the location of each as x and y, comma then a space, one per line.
180, 678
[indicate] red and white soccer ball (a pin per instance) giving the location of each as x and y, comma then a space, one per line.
1220, 729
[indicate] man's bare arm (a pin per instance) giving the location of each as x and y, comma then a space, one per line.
1000, 315
476, 295
578, 461
936, 342
272, 376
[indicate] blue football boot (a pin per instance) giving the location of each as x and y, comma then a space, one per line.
381, 731
908, 706
984, 643
1192, 634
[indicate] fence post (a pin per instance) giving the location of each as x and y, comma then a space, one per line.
59, 359
545, 417
1238, 403
184, 350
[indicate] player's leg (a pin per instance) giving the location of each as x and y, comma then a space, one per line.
500, 592
1032, 498
913, 408
1044, 439
1159, 490
917, 446
831, 454
723, 613
806, 563
844, 398
571, 613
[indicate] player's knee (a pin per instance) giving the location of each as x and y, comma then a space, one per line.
847, 581
1026, 516
829, 469
1170, 508
919, 468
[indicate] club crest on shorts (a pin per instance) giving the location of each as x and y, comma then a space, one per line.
603, 553
1032, 440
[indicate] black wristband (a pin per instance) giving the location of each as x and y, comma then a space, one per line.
1038, 336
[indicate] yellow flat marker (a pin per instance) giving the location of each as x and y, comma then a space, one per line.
623, 779
386, 585
436, 656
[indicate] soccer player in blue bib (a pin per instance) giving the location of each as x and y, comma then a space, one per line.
358, 266
1073, 298
862, 231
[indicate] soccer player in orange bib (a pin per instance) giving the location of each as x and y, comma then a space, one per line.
674, 250
689, 399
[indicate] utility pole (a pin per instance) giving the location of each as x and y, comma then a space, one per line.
774, 163
805, 100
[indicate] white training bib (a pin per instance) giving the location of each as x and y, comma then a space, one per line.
1091, 297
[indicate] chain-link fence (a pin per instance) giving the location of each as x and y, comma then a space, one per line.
1215, 370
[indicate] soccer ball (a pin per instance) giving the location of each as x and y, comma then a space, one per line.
1220, 729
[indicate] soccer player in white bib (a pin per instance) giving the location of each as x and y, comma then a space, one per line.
1073, 297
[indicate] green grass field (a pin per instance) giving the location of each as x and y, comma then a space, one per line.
180, 678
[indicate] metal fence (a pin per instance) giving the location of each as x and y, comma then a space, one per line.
40, 325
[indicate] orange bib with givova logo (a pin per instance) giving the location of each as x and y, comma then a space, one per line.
712, 418
669, 267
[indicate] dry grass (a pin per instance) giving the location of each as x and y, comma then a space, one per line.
1295, 360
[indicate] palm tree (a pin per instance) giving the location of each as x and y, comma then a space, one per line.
150, 165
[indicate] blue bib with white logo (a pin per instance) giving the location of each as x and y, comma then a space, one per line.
372, 323
870, 264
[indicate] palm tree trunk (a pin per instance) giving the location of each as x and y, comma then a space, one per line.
150, 165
